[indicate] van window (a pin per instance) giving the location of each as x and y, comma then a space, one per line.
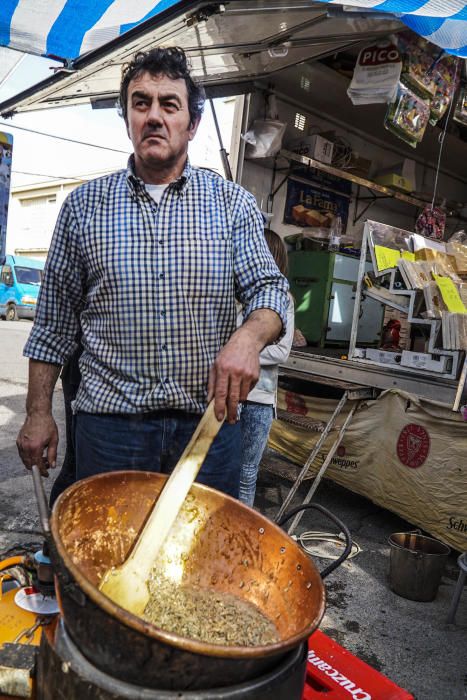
7, 276
28, 275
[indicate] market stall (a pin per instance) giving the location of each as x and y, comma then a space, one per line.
383, 304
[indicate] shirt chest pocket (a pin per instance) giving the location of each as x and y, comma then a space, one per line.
204, 267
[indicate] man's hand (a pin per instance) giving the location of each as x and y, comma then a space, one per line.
37, 442
236, 367
38, 438
233, 375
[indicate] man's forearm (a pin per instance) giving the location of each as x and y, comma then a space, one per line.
263, 326
42, 379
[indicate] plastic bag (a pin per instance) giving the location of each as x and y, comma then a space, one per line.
264, 139
407, 116
447, 82
418, 59
431, 222
460, 113
458, 237
376, 74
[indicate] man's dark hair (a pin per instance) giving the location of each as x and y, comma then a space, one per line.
171, 62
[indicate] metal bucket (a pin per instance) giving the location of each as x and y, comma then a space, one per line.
416, 565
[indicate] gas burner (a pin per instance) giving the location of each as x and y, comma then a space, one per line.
42, 573
82, 679
34, 601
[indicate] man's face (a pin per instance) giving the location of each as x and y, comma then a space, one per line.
159, 123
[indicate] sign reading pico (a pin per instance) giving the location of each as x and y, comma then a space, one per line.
376, 55
413, 445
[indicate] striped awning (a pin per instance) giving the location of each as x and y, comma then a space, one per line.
69, 28
66, 29
442, 22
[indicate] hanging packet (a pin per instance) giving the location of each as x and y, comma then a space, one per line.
376, 74
460, 113
419, 57
408, 115
431, 223
446, 77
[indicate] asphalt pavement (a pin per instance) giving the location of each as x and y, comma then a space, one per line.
409, 642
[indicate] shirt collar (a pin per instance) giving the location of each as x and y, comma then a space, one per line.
136, 184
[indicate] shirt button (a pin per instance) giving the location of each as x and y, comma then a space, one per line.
163, 346
161, 275
163, 313
160, 241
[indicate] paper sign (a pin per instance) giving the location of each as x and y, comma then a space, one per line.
450, 294
408, 256
386, 257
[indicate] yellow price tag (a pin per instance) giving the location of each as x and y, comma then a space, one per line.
408, 256
450, 294
386, 257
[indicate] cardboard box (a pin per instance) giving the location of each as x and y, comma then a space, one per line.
315, 146
396, 182
383, 357
425, 361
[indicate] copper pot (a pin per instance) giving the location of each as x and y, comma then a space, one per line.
216, 543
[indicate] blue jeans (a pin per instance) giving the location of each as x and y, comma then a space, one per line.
153, 442
255, 423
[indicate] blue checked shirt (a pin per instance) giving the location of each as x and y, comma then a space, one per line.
152, 287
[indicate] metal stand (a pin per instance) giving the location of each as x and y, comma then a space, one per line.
356, 397
462, 563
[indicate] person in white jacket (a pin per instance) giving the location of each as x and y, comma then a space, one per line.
259, 410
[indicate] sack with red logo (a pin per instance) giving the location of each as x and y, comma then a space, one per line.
403, 453
376, 75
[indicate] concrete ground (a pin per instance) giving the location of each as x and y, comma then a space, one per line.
407, 641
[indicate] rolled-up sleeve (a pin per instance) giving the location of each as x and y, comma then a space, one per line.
258, 281
53, 335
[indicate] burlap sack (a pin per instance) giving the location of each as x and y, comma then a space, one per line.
404, 454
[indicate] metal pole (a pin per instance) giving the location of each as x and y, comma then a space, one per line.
358, 296
325, 465
311, 458
223, 152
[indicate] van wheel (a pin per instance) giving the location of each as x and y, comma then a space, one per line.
11, 313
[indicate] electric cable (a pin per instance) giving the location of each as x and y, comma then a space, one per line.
52, 177
65, 138
329, 537
441, 139
61, 177
22, 547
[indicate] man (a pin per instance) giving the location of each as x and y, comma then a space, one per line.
147, 263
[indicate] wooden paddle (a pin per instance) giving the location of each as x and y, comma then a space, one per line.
126, 584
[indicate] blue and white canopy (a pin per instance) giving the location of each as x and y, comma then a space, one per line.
442, 22
69, 28
228, 42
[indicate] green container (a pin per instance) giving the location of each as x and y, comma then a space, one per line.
310, 278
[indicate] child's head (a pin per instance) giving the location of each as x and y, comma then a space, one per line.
277, 248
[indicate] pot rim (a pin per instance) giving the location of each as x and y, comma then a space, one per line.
392, 543
151, 630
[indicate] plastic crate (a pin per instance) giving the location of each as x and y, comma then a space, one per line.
333, 673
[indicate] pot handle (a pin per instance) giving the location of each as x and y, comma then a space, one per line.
44, 511
348, 537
